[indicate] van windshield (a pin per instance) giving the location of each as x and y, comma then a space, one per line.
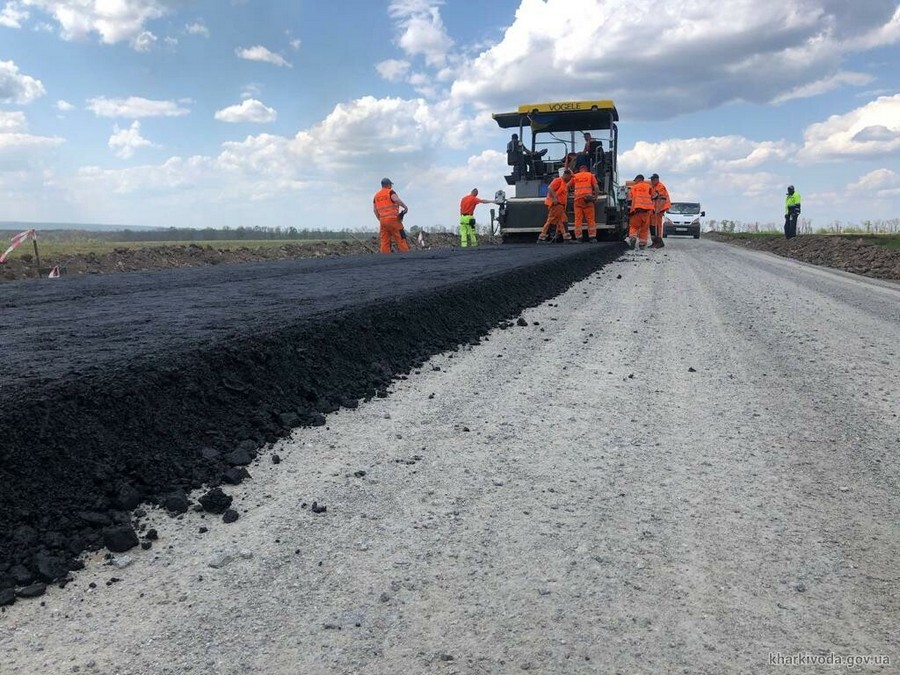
685, 207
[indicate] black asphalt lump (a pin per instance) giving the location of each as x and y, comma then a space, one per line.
143, 387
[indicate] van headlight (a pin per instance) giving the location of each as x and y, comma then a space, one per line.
695, 221
666, 221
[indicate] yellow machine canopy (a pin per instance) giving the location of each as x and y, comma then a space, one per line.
561, 116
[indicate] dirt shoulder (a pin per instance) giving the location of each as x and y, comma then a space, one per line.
149, 258
856, 254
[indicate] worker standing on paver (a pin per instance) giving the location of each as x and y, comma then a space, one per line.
791, 212
467, 218
587, 189
386, 205
639, 213
557, 194
659, 193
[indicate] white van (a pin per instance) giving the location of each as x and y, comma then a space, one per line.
683, 218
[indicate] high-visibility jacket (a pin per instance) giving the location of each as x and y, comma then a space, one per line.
467, 205
386, 207
584, 182
660, 197
561, 188
792, 201
640, 197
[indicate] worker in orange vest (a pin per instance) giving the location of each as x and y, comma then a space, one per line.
587, 189
555, 201
467, 218
639, 212
659, 193
386, 205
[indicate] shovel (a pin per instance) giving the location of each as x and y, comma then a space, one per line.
656, 240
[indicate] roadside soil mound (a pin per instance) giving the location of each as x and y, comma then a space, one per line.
149, 258
856, 254
139, 388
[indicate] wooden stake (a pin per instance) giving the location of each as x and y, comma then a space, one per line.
37, 256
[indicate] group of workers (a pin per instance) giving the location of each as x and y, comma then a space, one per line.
648, 203
389, 209
585, 190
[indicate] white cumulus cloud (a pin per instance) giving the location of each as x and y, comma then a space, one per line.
12, 121
17, 146
260, 53
16, 87
713, 154
197, 28
392, 70
696, 55
124, 142
374, 137
135, 107
248, 110
825, 84
422, 31
870, 131
143, 41
13, 15
64, 106
882, 183
113, 20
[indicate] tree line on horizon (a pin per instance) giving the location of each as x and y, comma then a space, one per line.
206, 234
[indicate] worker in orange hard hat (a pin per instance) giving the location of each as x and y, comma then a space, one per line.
386, 205
639, 212
555, 201
467, 218
587, 189
659, 193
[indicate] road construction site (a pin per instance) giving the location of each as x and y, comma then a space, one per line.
552, 459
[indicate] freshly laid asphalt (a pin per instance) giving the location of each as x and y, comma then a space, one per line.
140, 386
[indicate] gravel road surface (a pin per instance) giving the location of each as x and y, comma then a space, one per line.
686, 463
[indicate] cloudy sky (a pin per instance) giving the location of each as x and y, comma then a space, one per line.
268, 112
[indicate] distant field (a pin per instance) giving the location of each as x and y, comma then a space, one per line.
52, 248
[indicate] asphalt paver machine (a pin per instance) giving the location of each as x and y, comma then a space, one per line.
555, 137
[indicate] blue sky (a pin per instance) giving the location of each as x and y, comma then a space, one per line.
267, 112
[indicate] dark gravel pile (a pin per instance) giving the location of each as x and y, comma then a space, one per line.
133, 388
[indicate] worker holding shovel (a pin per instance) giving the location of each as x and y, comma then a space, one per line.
661, 203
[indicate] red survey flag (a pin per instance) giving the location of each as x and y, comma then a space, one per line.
18, 239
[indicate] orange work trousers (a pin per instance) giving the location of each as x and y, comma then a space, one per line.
639, 226
656, 226
584, 211
556, 215
390, 231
